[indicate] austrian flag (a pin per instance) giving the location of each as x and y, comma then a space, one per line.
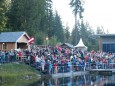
31, 40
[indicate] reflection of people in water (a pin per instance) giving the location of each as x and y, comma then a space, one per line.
93, 79
50, 84
81, 80
109, 84
69, 81
55, 81
43, 84
85, 80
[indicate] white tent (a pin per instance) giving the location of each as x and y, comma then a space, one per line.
80, 44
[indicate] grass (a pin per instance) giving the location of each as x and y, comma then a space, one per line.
16, 69
17, 72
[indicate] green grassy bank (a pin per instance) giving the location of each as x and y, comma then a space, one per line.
11, 73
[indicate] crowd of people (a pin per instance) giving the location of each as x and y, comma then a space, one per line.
57, 59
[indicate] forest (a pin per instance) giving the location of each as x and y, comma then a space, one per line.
38, 19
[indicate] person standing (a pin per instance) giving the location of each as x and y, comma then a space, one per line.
55, 67
50, 67
43, 64
69, 66
2, 57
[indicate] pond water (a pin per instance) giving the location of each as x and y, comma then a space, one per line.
84, 80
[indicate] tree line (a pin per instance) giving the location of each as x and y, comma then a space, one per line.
38, 19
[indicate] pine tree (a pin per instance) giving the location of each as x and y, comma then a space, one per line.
3, 18
77, 6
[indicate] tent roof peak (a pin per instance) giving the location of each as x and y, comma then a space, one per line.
80, 43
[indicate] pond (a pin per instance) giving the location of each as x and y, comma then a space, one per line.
84, 80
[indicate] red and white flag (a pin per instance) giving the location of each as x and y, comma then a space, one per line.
31, 40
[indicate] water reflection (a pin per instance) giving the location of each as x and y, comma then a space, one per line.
86, 80
17, 81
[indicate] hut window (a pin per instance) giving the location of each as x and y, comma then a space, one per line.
4, 46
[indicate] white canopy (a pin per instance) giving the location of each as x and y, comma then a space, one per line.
80, 44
